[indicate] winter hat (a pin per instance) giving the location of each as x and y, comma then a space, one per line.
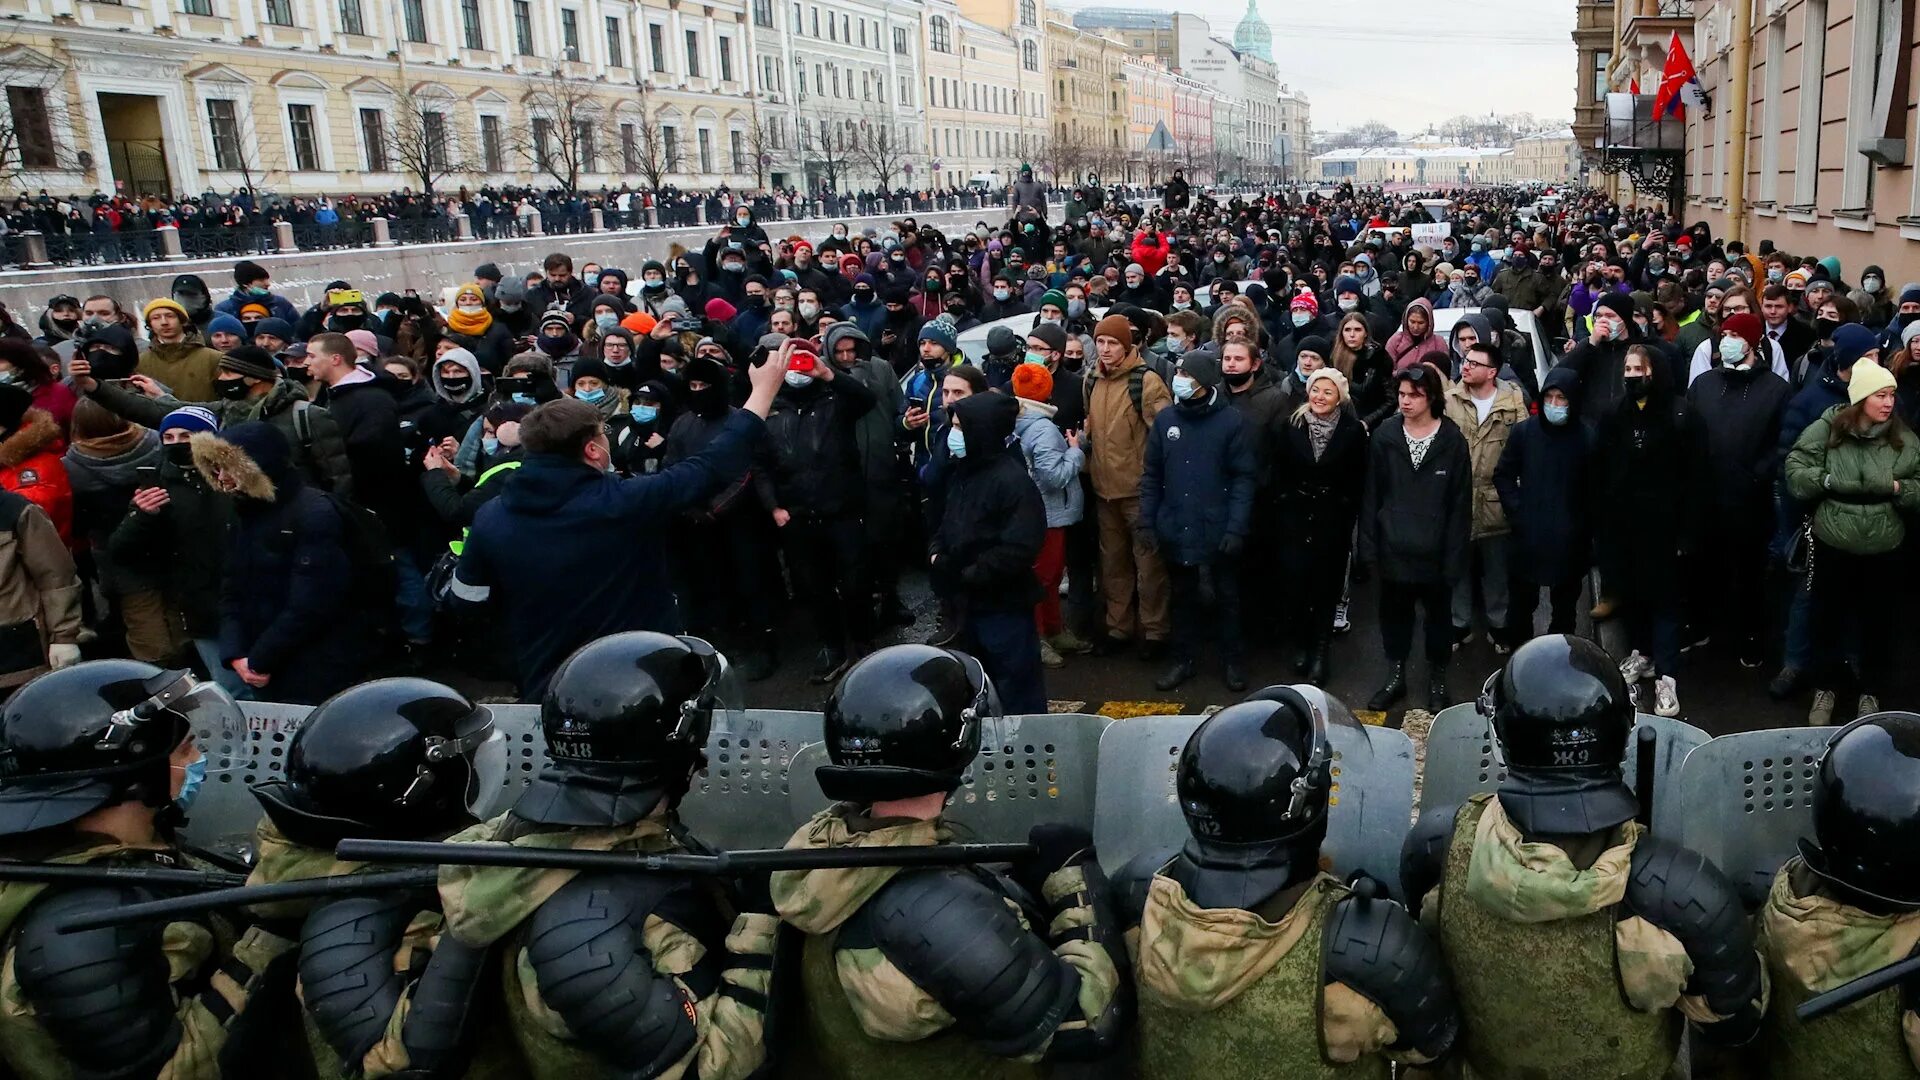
15, 400
863, 279
1201, 367
364, 341
250, 360
587, 367
273, 327
487, 272
1745, 325
1304, 301
1002, 342
246, 272
940, 332
1055, 297
850, 262
1910, 294
1722, 285
227, 324
1055, 337
1116, 327
556, 317
1135, 268
254, 308
510, 291
720, 311
190, 418
1868, 379
1317, 345
163, 302
1618, 303
677, 307
1333, 376
1032, 382
1851, 342
1798, 278
1347, 283
772, 342
640, 322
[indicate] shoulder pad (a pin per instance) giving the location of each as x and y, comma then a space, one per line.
347, 976
1423, 855
1680, 891
1378, 949
1129, 887
103, 995
592, 969
957, 940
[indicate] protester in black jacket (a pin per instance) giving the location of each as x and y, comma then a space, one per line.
815, 492
1542, 480
1319, 477
1414, 528
992, 526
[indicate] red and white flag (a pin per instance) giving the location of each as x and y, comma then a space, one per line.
1679, 83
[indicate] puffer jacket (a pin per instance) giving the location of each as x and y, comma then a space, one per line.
30, 463
1117, 430
992, 523
39, 595
815, 460
1485, 443
1850, 484
1055, 465
1197, 488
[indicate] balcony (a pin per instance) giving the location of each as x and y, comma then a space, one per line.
1651, 25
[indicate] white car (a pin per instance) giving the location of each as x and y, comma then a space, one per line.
1523, 321
973, 343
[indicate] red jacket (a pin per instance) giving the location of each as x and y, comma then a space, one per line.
1150, 254
30, 464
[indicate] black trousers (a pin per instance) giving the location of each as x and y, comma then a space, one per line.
1397, 601
1203, 595
1851, 621
1523, 600
1316, 595
722, 571
1729, 575
825, 557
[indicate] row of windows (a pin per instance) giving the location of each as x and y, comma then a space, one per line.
951, 141
952, 94
840, 27
940, 40
826, 77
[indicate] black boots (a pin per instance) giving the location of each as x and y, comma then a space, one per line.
1180, 672
1394, 689
1236, 676
1317, 671
1437, 688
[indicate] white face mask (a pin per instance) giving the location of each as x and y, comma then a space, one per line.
472, 309
797, 379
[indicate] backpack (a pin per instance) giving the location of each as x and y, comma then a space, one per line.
1136, 391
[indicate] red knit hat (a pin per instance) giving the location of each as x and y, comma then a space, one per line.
1032, 382
1304, 300
1744, 324
720, 311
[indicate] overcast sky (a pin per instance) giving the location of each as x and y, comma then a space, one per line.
1410, 63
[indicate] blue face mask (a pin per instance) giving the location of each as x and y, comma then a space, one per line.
196, 775
1556, 414
591, 397
1184, 387
490, 444
523, 399
591, 277
956, 442
645, 413
605, 320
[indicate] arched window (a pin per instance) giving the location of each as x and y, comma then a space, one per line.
939, 37
1030, 54
1029, 13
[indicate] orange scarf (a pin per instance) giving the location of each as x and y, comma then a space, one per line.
471, 325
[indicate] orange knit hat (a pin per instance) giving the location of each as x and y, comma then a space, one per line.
1033, 382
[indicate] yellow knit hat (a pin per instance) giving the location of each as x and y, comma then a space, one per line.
163, 302
1867, 379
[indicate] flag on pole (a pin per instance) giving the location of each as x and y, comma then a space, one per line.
1634, 88
1679, 83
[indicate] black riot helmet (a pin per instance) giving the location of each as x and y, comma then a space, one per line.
1561, 713
1866, 813
393, 759
905, 722
626, 719
97, 734
1253, 782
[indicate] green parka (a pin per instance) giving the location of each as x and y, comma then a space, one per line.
1850, 483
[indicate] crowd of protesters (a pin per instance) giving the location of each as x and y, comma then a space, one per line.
1187, 427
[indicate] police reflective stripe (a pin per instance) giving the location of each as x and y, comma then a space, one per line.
460, 545
472, 594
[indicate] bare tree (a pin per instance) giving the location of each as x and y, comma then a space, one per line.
825, 141
763, 138
656, 149
29, 140
1374, 133
561, 135
880, 147
427, 141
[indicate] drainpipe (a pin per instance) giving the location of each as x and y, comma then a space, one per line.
1737, 157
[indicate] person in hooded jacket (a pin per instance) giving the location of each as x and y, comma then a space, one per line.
992, 527
190, 292
885, 507
471, 325
1598, 359
1415, 342
639, 431
1542, 480
458, 381
292, 625
103, 463
1196, 505
1738, 406
253, 285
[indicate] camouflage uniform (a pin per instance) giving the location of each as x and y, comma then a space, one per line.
213, 975
722, 977
1249, 997
1541, 947
866, 1018
1814, 943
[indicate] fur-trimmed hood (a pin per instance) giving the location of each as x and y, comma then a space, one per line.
38, 433
243, 475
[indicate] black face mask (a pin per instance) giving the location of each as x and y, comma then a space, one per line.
234, 389
757, 303
1237, 380
456, 387
297, 374
178, 454
1906, 318
342, 324
708, 402
1824, 328
67, 326
1637, 386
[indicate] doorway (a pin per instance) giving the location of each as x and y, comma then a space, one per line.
136, 144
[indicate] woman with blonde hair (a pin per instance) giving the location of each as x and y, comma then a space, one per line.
1367, 370
1319, 470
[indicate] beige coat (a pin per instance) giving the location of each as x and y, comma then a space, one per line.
1485, 442
39, 594
1117, 431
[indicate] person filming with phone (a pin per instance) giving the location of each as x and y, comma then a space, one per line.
564, 517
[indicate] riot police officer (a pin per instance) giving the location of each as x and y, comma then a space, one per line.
96, 763
1559, 916
1250, 959
1849, 904
393, 759
624, 974
928, 972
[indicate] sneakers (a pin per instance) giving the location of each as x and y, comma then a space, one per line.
1636, 667
1049, 657
1461, 635
1786, 684
1666, 696
1868, 706
1821, 715
1340, 623
1497, 637
1694, 637
1067, 643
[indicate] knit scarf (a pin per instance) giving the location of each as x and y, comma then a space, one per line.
471, 325
111, 446
1320, 431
